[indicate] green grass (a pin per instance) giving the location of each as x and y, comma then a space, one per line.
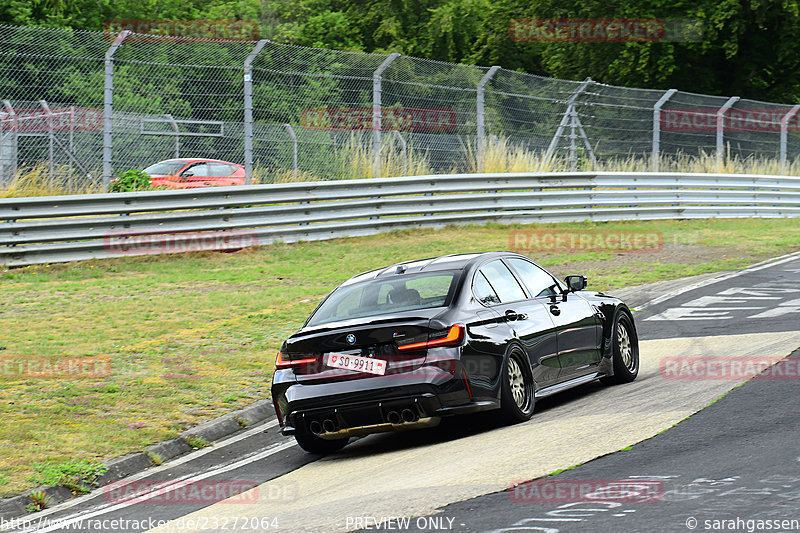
197, 442
194, 336
38, 501
75, 475
155, 458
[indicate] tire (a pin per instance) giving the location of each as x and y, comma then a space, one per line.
313, 444
626, 352
517, 388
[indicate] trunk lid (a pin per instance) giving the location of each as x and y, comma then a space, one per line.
374, 338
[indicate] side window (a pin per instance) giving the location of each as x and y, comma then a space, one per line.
200, 170
503, 281
538, 282
483, 291
220, 169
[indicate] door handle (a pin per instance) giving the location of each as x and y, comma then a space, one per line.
555, 310
511, 315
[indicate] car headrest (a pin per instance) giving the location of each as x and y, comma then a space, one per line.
404, 296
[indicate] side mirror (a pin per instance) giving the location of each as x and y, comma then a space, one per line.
187, 174
575, 283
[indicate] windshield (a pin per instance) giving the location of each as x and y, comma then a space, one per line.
165, 168
386, 295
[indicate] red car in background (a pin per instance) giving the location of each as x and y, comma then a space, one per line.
187, 173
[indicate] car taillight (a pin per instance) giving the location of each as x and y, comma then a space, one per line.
280, 362
446, 337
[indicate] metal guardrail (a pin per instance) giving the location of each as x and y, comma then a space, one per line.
52, 229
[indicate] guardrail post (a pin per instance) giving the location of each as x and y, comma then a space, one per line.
655, 160
481, 117
293, 135
567, 118
721, 127
784, 134
377, 78
108, 108
248, 110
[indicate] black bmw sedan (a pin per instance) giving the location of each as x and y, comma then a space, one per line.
400, 347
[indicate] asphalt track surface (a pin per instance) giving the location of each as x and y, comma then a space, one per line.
734, 466
695, 347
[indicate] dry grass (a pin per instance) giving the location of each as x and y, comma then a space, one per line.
356, 162
36, 181
359, 161
262, 175
502, 156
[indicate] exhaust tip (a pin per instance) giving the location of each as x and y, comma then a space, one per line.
393, 417
315, 427
329, 425
408, 415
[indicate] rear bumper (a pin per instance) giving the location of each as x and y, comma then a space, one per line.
365, 405
378, 416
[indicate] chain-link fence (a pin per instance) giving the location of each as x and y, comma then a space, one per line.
83, 106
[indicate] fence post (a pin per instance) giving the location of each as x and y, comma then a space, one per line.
481, 113
573, 155
655, 160
567, 118
49, 114
721, 127
784, 133
293, 135
376, 113
108, 109
13, 133
248, 110
177, 131
403, 150
71, 137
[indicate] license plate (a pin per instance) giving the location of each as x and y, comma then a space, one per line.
357, 363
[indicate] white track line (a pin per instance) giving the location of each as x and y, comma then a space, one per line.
66, 522
156, 469
754, 268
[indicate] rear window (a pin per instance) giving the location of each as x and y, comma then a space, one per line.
386, 295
